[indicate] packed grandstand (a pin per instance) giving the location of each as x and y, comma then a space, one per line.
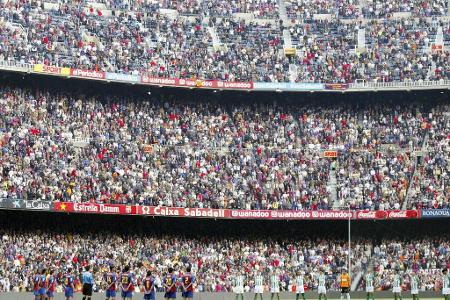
86, 144
111, 153
338, 41
171, 150
218, 251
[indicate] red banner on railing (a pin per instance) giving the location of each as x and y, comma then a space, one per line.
243, 214
387, 214
235, 85
196, 83
292, 214
403, 214
182, 212
95, 208
159, 81
144, 210
88, 73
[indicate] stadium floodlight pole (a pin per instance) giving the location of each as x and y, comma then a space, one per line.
349, 240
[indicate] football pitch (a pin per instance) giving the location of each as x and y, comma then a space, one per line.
334, 298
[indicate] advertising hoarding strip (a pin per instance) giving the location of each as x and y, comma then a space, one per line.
143, 210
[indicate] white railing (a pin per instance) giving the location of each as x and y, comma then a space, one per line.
401, 85
15, 66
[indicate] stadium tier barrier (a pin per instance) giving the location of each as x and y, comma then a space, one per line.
231, 296
222, 85
142, 210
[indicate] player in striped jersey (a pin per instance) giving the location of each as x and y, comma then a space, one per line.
149, 286
239, 285
274, 285
51, 285
396, 285
322, 289
299, 286
259, 285
170, 284
414, 281
110, 280
446, 284
68, 284
37, 286
187, 283
369, 285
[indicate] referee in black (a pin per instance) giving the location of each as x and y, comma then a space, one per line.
88, 282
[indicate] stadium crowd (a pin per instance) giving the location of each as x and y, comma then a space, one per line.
397, 50
306, 9
68, 147
425, 257
145, 39
430, 185
383, 9
214, 261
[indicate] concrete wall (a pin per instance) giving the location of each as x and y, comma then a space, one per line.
228, 296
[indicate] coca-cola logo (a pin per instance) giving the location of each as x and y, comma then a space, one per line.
379, 214
397, 214
402, 214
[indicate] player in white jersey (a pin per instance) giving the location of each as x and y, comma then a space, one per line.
259, 285
322, 289
239, 286
369, 285
446, 284
274, 285
299, 286
414, 282
396, 285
